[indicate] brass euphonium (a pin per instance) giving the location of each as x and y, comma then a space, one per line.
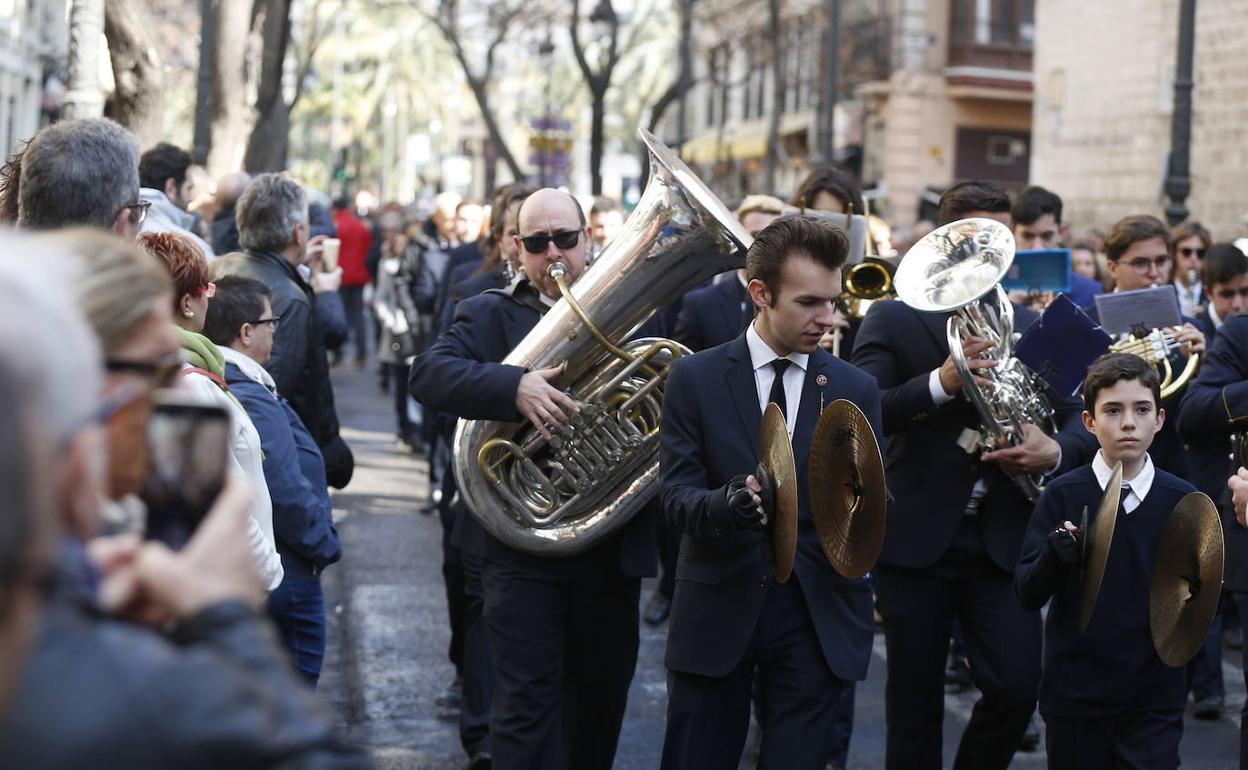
561, 497
958, 267
1156, 346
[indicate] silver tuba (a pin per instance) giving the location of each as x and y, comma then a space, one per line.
561, 497
958, 267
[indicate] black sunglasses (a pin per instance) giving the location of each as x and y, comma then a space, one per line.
1188, 251
164, 370
564, 239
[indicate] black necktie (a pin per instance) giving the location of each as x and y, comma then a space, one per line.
777, 386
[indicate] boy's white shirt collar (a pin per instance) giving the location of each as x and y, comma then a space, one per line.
249, 366
1137, 488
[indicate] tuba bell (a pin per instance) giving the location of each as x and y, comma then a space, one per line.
958, 267
561, 497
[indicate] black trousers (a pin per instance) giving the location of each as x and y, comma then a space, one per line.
1138, 740
1204, 670
456, 597
1241, 607
797, 697
397, 374
353, 306
669, 550
1002, 642
565, 646
478, 661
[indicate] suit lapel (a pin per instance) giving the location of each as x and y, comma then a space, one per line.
808, 412
744, 392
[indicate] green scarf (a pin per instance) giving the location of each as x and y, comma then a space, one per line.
198, 351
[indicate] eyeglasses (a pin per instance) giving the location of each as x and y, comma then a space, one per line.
1142, 264
1188, 251
164, 370
138, 211
1230, 293
272, 321
564, 239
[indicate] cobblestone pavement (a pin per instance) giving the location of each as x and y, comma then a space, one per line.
387, 659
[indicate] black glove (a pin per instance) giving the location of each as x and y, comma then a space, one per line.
1066, 546
732, 508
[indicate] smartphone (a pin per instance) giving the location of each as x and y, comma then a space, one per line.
188, 455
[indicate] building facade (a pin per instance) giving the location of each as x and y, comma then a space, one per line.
930, 92
1104, 105
34, 36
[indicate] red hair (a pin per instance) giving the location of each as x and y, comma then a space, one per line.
182, 257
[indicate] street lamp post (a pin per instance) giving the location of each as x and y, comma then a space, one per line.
1178, 179
546, 55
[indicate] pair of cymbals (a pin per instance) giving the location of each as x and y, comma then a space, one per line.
1187, 571
848, 495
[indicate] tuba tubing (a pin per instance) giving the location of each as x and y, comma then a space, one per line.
563, 497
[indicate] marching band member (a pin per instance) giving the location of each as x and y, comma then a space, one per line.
1215, 404
1106, 697
564, 631
807, 639
955, 529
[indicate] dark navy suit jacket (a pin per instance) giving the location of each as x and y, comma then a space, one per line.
930, 476
460, 374
710, 430
1215, 405
712, 315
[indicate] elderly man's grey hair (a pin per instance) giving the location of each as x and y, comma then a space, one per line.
77, 172
269, 209
45, 339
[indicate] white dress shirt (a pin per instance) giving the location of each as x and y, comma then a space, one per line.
1134, 490
761, 356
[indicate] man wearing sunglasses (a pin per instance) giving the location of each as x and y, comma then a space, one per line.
1226, 287
564, 631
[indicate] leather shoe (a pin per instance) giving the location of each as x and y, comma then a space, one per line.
657, 609
481, 761
453, 696
958, 675
1208, 708
1031, 738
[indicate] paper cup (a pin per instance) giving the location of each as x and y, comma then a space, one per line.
329, 254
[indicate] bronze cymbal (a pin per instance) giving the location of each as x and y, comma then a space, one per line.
848, 495
777, 474
1187, 579
1096, 542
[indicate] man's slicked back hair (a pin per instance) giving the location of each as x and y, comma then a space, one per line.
817, 239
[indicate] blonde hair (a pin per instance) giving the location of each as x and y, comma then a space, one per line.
756, 204
117, 285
